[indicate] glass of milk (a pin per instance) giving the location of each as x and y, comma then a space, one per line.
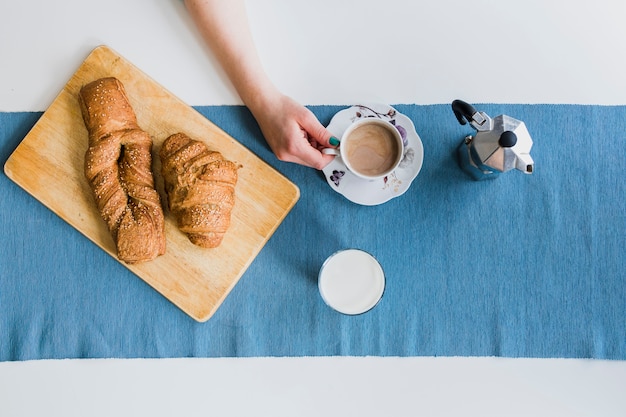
351, 281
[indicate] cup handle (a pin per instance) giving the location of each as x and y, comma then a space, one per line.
330, 151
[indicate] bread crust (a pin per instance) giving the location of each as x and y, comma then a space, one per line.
200, 185
118, 167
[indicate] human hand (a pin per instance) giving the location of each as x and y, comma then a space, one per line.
290, 129
293, 132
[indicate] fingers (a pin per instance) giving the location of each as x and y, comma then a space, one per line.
319, 138
295, 135
317, 131
313, 158
300, 148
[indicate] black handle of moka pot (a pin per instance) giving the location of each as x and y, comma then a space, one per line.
463, 111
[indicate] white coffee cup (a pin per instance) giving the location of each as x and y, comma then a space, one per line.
370, 148
351, 281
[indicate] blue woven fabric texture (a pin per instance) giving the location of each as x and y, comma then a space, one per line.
521, 266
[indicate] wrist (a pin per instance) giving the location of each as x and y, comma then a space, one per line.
260, 98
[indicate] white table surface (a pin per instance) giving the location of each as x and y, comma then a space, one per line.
327, 52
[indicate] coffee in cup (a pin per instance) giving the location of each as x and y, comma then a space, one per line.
370, 148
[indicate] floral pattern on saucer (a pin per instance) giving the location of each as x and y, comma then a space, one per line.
370, 193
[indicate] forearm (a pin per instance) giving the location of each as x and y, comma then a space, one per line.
223, 25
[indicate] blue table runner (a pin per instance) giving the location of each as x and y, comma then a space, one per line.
521, 266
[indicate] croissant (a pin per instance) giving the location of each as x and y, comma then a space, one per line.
118, 166
200, 185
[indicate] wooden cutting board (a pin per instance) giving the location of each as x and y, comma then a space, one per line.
48, 164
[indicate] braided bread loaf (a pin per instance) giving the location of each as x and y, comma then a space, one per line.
200, 186
118, 167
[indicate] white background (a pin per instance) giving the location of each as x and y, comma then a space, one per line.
327, 52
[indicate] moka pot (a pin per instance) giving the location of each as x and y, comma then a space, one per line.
500, 144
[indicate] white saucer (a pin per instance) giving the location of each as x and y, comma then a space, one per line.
371, 193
